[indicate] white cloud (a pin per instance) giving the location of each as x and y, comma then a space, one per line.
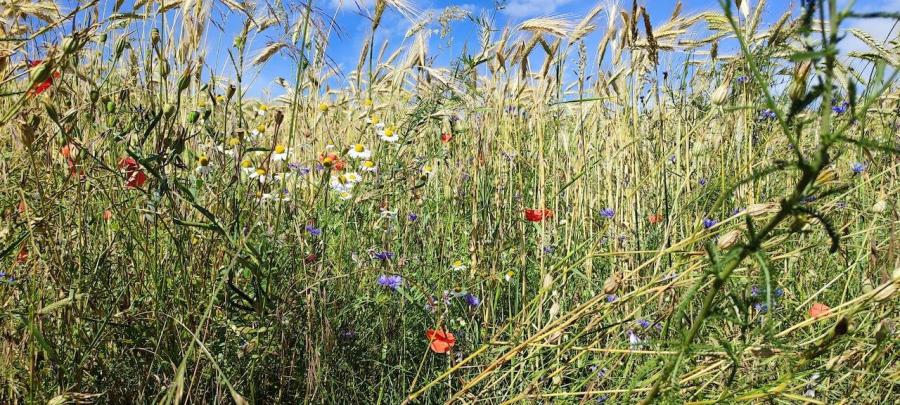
531, 8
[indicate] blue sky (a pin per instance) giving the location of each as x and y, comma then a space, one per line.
352, 25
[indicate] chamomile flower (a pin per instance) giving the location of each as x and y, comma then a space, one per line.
345, 195
388, 135
259, 175
247, 166
262, 109
359, 151
352, 177
280, 153
369, 166
203, 167
323, 107
341, 183
427, 170
230, 146
457, 265
258, 131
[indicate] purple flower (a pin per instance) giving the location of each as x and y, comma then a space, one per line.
643, 323
302, 170
607, 213
767, 114
611, 298
737, 211
779, 292
808, 199
633, 339
412, 217
472, 300
672, 159
743, 79
709, 223
859, 168
702, 181
393, 282
841, 108
760, 307
754, 291
383, 255
313, 230
549, 250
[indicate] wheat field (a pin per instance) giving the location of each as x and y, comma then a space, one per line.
615, 207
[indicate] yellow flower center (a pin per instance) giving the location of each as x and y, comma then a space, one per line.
234, 141
359, 148
263, 107
327, 161
389, 131
457, 263
246, 164
261, 128
375, 120
279, 149
345, 195
427, 169
323, 107
203, 160
342, 179
368, 102
260, 172
370, 164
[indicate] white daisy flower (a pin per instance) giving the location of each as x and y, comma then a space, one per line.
262, 109
280, 153
259, 175
345, 195
340, 183
203, 167
359, 151
427, 170
353, 177
258, 131
388, 135
457, 266
509, 275
369, 166
247, 166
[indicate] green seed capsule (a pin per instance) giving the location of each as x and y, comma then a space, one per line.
110, 107
193, 116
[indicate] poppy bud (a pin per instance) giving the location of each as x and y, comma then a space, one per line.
103, 37
168, 110
40, 74
68, 45
164, 69
121, 44
720, 95
185, 80
193, 116
230, 93
154, 37
95, 95
110, 107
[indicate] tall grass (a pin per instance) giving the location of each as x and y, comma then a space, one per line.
706, 228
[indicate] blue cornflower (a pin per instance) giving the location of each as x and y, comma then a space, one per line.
709, 223
607, 213
412, 217
602, 399
743, 79
754, 291
393, 282
702, 181
472, 300
302, 170
313, 230
611, 298
779, 292
737, 211
643, 323
383, 255
859, 167
549, 249
672, 158
760, 307
767, 114
840, 109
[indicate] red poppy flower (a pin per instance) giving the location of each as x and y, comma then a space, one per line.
819, 310
41, 87
537, 215
22, 257
446, 137
68, 152
655, 219
440, 341
132, 169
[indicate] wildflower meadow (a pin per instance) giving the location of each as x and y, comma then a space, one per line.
439, 201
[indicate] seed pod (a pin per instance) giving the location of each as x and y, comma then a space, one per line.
185, 80
68, 45
279, 117
612, 283
121, 44
110, 107
230, 93
729, 239
103, 37
154, 37
797, 89
40, 74
193, 116
164, 69
720, 95
95, 95
168, 110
